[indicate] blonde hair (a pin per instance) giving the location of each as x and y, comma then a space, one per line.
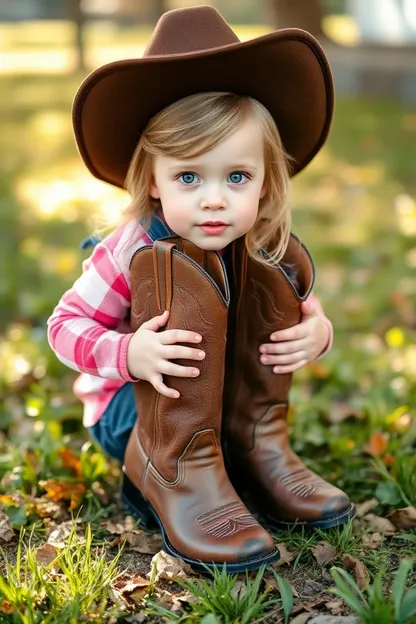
196, 124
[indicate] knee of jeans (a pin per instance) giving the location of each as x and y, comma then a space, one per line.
114, 447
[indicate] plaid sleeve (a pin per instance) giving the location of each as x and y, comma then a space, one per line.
82, 330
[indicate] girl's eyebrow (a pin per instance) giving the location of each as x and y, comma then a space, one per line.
187, 166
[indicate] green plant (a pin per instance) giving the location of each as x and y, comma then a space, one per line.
344, 539
398, 486
73, 586
224, 600
397, 608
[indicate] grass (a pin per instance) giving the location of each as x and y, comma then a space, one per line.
352, 416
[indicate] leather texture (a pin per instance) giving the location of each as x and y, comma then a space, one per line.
174, 455
256, 400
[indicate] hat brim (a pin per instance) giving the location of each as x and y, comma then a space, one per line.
286, 70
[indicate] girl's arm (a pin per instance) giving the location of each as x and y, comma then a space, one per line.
83, 328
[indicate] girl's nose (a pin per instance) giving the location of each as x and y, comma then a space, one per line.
213, 201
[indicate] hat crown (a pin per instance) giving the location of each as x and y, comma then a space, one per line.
192, 29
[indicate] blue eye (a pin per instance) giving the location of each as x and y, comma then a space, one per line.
237, 177
188, 178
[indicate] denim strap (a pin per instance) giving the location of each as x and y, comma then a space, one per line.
158, 229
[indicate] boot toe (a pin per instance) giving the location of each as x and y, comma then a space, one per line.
256, 547
336, 506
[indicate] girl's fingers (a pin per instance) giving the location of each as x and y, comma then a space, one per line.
176, 352
297, 332
159, 386
281, 370
168, 368
279, 348
172, 336
284, 360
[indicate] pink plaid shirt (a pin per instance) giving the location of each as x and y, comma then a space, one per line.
89, 329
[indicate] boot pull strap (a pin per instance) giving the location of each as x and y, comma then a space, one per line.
162, 267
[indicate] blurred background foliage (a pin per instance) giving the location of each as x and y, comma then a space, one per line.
354, 207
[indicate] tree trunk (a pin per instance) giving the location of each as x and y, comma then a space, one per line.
78, 17
305, 14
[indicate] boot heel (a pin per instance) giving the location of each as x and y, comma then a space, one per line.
135, 502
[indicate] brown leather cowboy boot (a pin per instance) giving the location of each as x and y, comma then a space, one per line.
174, 454
259, 457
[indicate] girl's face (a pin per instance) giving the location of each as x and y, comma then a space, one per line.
213, 199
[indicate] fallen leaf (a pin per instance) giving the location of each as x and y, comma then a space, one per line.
285, 556
362, 575
6, 531
374, 540
45, 508
364, 508
336, 607
46, 554
377, 444
302, 618
64, 490
404, 518
239, 590
144, 543
6, 607
58, 536
114, 528
324, 553
379, 525
70, 461
168, 567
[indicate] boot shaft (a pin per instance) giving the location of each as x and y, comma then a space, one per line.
266, 300
197, 297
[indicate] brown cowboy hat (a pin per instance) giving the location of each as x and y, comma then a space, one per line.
194, 50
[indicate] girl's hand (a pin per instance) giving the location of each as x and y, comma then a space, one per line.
294, 347
149, 352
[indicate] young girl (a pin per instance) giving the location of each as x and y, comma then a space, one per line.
206, 165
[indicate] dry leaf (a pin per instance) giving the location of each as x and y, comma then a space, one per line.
324, 553
114, 528
59, 535
6, 607
302, 618
144, 543
373, 541
336, 607
64, 490
379, 525
6, 531
364, 508
46, 554
239, 590
285, 556
404, 518
169, 567
362, 575
45, 508
377, 444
